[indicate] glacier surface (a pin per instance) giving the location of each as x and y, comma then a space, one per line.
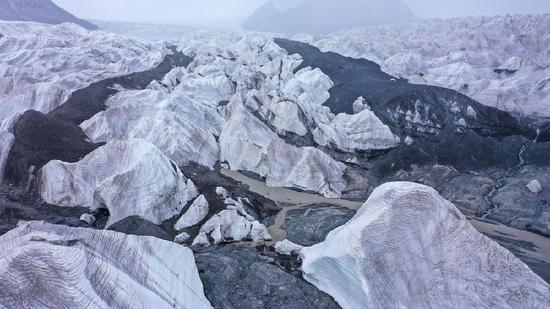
501, 61
409, 247
129, 178
45, 265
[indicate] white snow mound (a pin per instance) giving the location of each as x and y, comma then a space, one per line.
407, 247
130, 178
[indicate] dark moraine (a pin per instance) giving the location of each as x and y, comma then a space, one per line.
309, 225
40, 138
243, 276
136, 225
446, 126
18, 205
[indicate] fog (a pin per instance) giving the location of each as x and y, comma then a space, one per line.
210, 11
440, 8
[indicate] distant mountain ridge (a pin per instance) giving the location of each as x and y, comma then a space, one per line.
323, 16
42, 11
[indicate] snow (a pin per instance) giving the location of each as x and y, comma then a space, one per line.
534, 186
130, 178
88, 218
56, 266
287, 247
181, 238
195, 214
408, 247
461, 54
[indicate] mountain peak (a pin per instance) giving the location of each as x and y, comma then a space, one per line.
323, 16
42, 11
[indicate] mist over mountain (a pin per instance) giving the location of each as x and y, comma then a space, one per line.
42, 11
322, 16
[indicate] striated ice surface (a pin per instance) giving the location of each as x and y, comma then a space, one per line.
129, 178
248, 144
52, 266
408, 247
183, 128
6, 140
194, 215
501, 61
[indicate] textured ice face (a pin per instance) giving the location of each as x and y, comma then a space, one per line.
248, 144
130, 178
502, 62
229, 225
58, 266
409, 247
182, 127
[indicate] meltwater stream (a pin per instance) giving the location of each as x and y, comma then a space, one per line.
502, 180
288, 199
533, 249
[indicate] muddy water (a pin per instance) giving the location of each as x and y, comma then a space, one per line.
542, 251
286, 198
290, 199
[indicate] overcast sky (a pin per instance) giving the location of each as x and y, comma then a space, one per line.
197, 11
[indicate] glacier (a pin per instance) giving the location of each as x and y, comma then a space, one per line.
128, 177
46, 265
42, 65
409, 247
501, 61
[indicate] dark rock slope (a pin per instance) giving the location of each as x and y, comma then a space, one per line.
42, 11
442, 125
469, 152
242, 276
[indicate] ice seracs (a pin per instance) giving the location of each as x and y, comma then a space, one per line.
162, 117
129, 178
231, 224
246, 143
287, 247
45, 265
409, 247
42, 65
500, 61
88, 218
